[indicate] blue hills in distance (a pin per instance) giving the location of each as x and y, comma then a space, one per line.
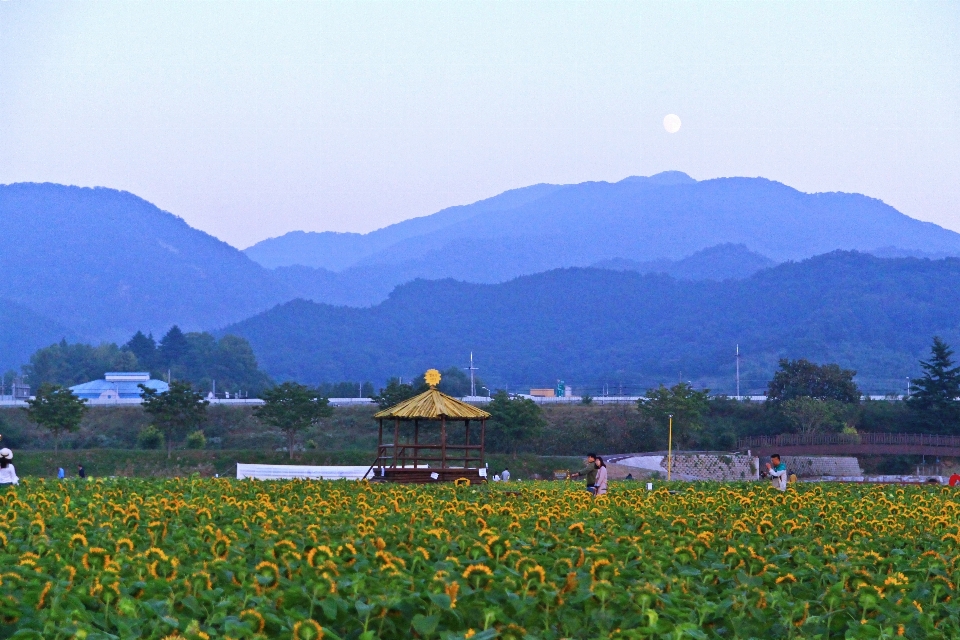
592, 326
97, 264
103, 263
669, 216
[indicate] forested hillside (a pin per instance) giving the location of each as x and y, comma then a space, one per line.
591, 326
104, 263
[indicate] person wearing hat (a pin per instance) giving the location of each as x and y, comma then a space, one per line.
8, 475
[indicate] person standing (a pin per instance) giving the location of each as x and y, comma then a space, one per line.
589, 472
777, 471
505, 475
81, 472
8, 474
61, 474
601, 481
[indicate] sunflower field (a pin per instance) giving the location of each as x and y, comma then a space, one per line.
214, 558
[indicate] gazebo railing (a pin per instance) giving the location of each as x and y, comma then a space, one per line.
407, 454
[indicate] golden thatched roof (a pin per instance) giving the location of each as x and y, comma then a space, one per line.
432, 405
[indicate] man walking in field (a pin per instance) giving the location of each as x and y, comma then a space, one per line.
777, 471
589, 472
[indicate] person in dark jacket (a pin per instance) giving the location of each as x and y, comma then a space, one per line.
589, 472
81, 472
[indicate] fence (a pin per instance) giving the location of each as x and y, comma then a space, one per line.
856, 439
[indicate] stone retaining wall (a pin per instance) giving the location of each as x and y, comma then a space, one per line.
816, 466
714, 466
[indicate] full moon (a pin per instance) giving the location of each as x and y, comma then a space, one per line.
671, 123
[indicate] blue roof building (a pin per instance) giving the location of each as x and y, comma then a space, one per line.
118, 387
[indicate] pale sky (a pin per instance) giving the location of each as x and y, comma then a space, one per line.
251, 119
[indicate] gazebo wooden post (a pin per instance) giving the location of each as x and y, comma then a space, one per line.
466, 444
416, 443
396, 439
443, 442
483, 432
380, 446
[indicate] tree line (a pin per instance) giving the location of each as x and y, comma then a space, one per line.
805, 397
802, 397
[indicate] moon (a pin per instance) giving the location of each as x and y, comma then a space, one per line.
671, 123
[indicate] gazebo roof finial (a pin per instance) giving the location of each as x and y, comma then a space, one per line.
432, 378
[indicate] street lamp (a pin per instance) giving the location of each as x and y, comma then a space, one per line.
670, 448
488, 390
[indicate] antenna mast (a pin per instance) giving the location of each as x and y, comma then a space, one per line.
738, 372
471, 369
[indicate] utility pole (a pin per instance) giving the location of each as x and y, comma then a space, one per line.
908, 387
670, 448
471, 369
738, 372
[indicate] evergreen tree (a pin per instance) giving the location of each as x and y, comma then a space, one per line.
144, 348
174, 347
935, 398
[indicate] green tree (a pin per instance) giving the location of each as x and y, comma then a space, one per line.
56, 408
934, 400
396, 392
144, 348
173, 348
687, 405
176, 411
292, 408
69, 364
513, 421
813, 415
802, 378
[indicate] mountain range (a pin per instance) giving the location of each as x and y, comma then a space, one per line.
593, 326
643, 219
97, 264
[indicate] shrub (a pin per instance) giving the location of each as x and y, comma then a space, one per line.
150, 438
196, 440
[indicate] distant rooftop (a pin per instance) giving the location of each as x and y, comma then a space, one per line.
126, 376
118, 387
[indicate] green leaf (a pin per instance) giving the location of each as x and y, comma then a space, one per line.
329, 607
425, 625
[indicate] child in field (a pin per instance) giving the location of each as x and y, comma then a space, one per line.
8, 474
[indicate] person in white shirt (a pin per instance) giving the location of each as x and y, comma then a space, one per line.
8, 474
505, 475
777, 471
601, 476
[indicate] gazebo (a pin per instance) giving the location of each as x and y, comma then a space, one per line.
419, 452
